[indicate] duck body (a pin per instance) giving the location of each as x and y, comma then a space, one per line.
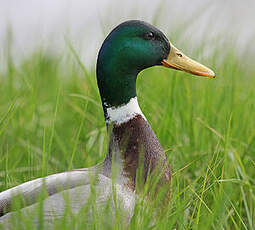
131, 47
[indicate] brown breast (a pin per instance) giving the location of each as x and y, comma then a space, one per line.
136, 142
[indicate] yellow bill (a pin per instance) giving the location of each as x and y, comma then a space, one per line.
177, 60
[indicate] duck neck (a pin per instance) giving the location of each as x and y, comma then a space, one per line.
117, 93
116, 81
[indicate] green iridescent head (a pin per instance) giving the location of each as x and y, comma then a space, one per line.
128, 49
131, 47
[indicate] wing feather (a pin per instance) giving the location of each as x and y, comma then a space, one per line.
52, 184
76, 196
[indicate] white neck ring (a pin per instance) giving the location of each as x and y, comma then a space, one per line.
124, 113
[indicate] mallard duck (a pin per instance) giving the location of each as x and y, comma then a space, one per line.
129, 48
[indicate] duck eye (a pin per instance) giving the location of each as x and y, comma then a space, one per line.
149, 36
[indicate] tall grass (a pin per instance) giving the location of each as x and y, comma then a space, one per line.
51, 120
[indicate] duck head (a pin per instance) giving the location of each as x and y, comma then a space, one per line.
130, 48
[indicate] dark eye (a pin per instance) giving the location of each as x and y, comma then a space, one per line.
149, 36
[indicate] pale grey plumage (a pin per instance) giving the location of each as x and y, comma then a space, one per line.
76, 187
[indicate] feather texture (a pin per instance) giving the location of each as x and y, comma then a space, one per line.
73, 189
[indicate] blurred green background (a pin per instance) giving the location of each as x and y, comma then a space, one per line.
51, 118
